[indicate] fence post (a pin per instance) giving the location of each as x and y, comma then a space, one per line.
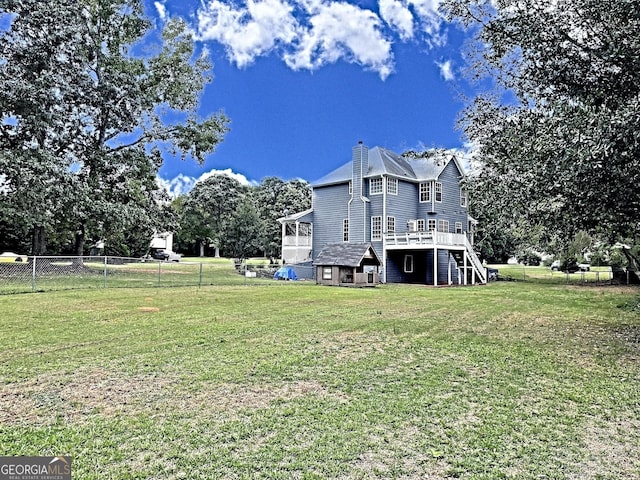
159, 271
105, 272
200, 279
33, 275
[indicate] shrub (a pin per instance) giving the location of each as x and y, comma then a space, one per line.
530, 257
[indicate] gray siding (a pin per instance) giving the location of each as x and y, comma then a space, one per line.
449, 208
403, 206
330, 208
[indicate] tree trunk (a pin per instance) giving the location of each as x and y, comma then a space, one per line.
80, 239
217, 255
201, 248
38, 240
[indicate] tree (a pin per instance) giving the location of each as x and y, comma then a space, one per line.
243, 234
83, 113
36, 73
276, 198
560, 133
207, 211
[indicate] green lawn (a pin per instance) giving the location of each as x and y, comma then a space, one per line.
510, 380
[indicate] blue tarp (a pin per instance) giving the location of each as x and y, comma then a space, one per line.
285, 273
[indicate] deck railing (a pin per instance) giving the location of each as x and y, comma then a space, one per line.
297, 241
426, 238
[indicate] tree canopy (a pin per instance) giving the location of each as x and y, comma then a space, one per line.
235, 219
558, 134
86, 112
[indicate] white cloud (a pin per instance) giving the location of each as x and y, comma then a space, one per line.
308, 34
247, 32
183, 184
446, 70
398, 16
162, 10
342, 31
229, 173
429, 17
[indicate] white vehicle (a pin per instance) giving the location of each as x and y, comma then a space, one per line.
7, 257
161, 248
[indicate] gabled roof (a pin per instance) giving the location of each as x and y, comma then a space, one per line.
386, 162
346, 254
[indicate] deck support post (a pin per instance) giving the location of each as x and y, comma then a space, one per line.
435, 266
465, 267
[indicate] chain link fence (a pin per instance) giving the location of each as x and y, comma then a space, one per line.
42, 273
593, 276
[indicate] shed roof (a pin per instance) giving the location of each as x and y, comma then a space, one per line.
346, 254
385, 162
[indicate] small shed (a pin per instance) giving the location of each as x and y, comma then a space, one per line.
347, 264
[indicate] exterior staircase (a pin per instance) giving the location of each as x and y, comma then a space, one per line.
477, 272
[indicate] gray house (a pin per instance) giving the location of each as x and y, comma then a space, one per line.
413, 213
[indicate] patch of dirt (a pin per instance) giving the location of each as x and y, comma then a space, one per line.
353, 345
616, 289
233, 397
398, 451
85, 393
45, 398
149, 309
613, 450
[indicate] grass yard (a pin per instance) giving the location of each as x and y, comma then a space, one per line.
510, 380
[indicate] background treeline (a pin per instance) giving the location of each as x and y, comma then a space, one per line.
220, 216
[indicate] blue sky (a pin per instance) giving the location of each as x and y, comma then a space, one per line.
304, 80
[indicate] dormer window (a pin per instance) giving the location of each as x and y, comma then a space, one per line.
375, 186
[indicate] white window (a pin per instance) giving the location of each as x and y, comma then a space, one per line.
376, 228
421, 224
463, 198
391, 224
326, 273
438, 192
432, 225
443, 226
458, 227
375, 186
425, 192
392, 186
408, 264
345, 230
